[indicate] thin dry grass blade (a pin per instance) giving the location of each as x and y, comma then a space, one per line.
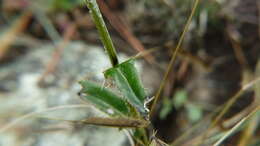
232, 130
116, 122
227, 106
32, 114
175, 52
56, 56
9, 36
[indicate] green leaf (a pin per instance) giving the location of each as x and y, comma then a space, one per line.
194, 112
179, 98
104, 99
65, 4
166, 108
127, 81
122, 84
129, 71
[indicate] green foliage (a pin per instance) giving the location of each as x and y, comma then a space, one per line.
65, 4
257, 143
130, 102
166, 108
104, 99
127, 81
179, 98
129, 71
194, 112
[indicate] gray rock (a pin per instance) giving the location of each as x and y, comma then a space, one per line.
21, 95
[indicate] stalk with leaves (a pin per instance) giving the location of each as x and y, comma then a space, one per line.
127, 109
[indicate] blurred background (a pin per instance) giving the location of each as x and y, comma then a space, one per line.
47, 46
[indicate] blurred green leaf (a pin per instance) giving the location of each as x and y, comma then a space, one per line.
194, 112
65, 4
166, 108
256, 143
124, 86
180, 98
104, 99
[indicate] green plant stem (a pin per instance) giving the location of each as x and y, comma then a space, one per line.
102, 30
